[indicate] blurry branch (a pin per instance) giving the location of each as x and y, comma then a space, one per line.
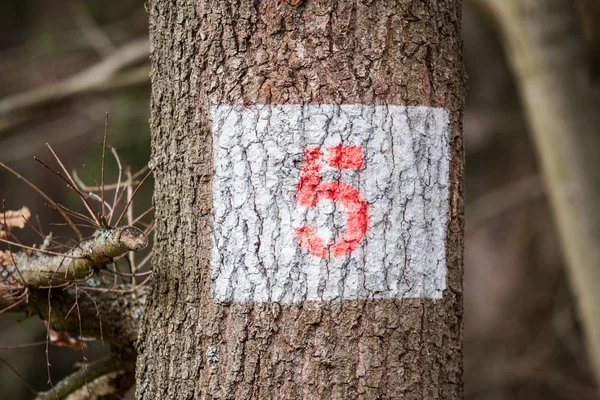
108, 74
9, 121
503, 124
92, 32
589, 12
120, 310
132, 77
500, 201
18, 375
80, 122
106, 369
550, 61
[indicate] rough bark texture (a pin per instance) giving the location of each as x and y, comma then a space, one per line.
553, 69
296, 52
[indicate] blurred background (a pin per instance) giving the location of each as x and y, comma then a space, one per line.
63, 64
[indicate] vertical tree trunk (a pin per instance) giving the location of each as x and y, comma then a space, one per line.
554, 72
250, 299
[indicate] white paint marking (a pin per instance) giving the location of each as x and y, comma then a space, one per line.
258, 155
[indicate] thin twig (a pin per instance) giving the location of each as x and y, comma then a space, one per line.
48, 343
502, 200
45, 196
114, 151
126, 274
97, 314
133, 195
85, 188
33, 344
79, 225
103, 156
130, 255
133, 289
94, 196
91, 31
129, 182
81, 341
144, 261
19, 376
142, 215
36, 249
50, 240
37, 218
140, 172
79, 216
72, 186
13, 305
99, 188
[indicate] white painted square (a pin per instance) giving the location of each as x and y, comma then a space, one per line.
258, 153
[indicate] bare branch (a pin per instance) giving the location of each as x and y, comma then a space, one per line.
95, 371
133, 195
103, 159
558, 93
86, 81
91, 31
50, 269
500, 201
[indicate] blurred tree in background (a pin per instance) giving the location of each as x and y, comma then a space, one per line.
63, 64
551, 47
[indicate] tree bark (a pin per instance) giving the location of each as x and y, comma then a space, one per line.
197, 342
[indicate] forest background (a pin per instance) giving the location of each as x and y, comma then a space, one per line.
523, 335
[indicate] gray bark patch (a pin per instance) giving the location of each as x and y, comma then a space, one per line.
259, 159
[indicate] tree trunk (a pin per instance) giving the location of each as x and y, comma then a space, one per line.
309, 210
553, 69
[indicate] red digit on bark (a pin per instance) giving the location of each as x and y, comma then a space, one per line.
310, 177
346, 157
309, 192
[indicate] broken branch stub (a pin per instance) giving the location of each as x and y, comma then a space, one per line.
47, 270
107, 244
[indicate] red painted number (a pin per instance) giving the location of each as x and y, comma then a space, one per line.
310, 191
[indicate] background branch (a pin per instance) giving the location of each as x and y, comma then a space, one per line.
97, 77
502, 200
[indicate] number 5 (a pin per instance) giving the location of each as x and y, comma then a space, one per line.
310, 191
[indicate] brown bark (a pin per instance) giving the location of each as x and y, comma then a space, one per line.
296, 52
